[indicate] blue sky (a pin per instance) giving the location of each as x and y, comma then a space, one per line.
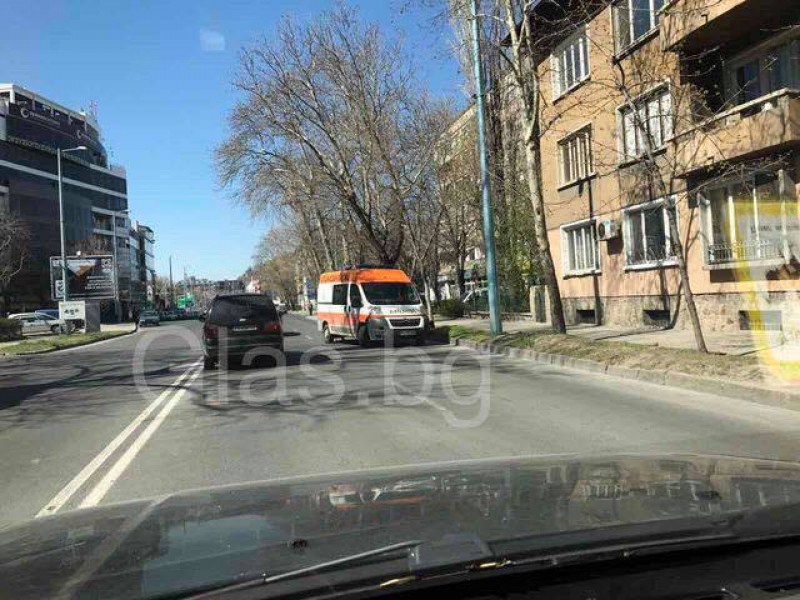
160, 75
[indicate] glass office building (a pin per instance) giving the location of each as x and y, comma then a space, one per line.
32, 128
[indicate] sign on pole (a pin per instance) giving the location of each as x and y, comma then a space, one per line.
88, 278
72, 310
185, 301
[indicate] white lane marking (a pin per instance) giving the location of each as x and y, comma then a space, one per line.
116, 471
73, 486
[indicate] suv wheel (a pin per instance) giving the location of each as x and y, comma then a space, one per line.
326, 334
55, 329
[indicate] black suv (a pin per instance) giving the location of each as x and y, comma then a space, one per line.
238, 324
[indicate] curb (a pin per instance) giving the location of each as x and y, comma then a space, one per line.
52, 350
694, 383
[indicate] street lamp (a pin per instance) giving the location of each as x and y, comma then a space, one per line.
117, 307
59, 152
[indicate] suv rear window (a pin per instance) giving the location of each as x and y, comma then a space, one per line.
231, 310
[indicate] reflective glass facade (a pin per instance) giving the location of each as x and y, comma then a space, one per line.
28, 176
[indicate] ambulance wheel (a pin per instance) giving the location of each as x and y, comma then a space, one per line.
363, 337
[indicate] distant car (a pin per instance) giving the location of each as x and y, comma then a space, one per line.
240, 324
280, 306
39, 323
148, 317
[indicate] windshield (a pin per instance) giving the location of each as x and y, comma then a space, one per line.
390, 293
293, 283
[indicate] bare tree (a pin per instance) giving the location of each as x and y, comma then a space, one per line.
340, 95
278, 260
14, 238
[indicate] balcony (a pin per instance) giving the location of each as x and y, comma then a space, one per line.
769, 123
728, 254
701, 24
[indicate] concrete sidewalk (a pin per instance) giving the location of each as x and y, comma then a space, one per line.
733, 342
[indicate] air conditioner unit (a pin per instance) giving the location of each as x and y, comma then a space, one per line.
608, 229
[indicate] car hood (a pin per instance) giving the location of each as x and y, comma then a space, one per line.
204, 537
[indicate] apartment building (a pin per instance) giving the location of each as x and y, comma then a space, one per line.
647, 103
463, 267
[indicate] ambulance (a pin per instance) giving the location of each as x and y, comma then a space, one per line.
369, 304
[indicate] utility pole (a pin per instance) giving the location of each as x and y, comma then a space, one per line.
495, 323
61, 218
171, 286
61, 224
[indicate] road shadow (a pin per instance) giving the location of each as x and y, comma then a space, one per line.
348, 378
86, 392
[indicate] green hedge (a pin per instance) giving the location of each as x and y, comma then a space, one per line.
10, 330
450, 309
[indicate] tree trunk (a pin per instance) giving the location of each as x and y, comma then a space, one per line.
427, 298
688, 296
533, 164
460, 280
326, 244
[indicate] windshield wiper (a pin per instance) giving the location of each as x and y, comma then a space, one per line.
370, 557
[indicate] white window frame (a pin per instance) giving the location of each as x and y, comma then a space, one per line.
628, 224
632, 41
570, 228
556, 62
641, 101
589, 166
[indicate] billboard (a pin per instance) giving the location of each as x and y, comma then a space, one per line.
88, 277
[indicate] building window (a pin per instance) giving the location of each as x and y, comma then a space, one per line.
652, 121
570, 63
579, 246
767, 70
575, 156
647, 239
634, 19
751, 220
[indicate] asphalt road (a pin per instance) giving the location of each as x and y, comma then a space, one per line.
136, 416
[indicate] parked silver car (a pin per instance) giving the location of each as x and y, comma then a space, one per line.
33, 323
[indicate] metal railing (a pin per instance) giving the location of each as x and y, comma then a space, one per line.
652, 250
748, 250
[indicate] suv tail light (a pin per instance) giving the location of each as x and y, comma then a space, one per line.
210, 331
272, 327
